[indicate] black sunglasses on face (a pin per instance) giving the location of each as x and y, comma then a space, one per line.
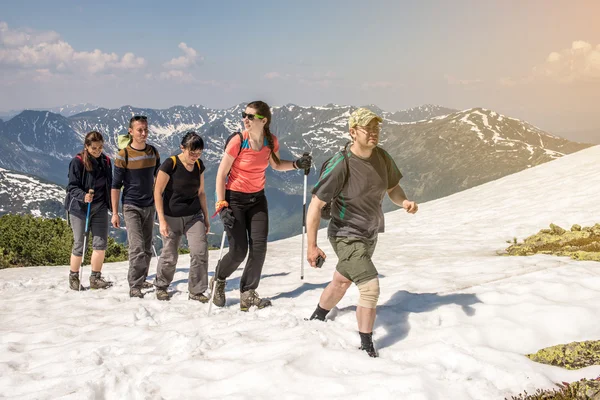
251, 116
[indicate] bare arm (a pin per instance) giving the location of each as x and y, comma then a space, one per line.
115, 195
398, 197
224, 167
313, 217
203, 206
284, 165
162, 178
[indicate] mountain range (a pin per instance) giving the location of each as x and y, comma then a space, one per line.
439, 151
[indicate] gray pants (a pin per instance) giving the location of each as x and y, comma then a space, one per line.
195, 231
98, 225
140, 223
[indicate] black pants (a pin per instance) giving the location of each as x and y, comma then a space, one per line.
248, 235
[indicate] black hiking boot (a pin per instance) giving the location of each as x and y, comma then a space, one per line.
98, 282
136, 292
162, 294
370, 350
199, 297
74, 281
319, 314
219, 288
367, 345
250, 298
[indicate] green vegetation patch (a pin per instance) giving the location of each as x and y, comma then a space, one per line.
580, 390
27, 241
574, 355
578, 243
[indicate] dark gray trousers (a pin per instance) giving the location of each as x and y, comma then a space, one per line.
139, 222
195, 231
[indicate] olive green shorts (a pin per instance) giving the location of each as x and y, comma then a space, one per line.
354, 257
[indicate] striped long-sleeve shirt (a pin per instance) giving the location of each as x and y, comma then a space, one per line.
134, 171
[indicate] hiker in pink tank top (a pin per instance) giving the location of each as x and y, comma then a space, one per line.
242, 204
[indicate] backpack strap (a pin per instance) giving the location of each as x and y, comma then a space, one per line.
83, 171
347, 162
241, 141
174, 159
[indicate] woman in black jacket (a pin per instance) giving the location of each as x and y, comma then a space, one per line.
89, 170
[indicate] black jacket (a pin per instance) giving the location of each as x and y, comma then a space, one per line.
81, 181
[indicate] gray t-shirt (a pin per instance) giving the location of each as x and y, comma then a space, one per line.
357, 212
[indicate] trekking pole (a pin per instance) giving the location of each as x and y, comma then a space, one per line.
85, 236
306, 172
212, 291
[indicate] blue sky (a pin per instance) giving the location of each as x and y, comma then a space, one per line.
536, 60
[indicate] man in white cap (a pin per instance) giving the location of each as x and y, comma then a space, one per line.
355, 183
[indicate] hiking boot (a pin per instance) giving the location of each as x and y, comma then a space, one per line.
136, 292
366, 344
250, 298
219, 288
74, 281
370, 349
98, 282
199, 297
162, 294
147, 285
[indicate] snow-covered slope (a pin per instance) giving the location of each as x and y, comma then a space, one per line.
26, 194
455, 319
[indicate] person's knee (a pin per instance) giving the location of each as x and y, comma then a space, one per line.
341, 286
77, 250
369, 293
100, 244
238, 252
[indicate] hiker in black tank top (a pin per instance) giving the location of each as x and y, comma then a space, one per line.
181, 207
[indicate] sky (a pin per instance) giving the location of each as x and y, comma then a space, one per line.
535, 60
454, 320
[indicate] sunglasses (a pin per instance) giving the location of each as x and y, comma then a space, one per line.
251, 116
139, 118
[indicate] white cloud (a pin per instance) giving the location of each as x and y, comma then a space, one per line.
177, 75
579, 62
15, 38
46, 51
187, 60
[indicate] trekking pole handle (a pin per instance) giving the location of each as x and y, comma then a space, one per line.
307, 170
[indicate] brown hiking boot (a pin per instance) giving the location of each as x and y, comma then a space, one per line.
163, 295
199, 297
219, 288
136, 292
147, 285
74, 282
98, 282
250, 298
